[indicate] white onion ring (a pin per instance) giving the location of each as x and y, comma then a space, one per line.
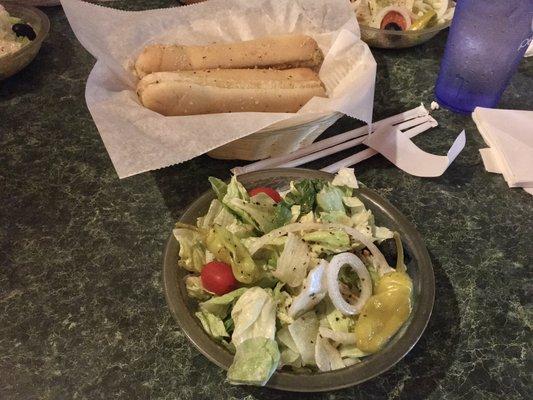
383, 266
335, 265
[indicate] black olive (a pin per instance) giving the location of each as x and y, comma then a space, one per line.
388, 248
24, 30
392, 27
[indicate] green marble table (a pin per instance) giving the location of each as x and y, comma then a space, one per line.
82, 312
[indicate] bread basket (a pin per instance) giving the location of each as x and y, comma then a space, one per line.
278, 139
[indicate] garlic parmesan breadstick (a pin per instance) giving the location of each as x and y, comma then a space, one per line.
279, 52
229, 90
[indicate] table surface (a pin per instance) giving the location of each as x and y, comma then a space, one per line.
82, 312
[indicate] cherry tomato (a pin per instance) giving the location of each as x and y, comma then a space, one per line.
394, 21
272, 193
217, 277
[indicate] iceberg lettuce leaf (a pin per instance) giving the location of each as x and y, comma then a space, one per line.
293, 262
254, 315
216, 214
336, 217
228, 248
290, 358
352, 351
260, 208
194, 287
219, 187
220, 305
192, 249
330, 199
284, 338
327, 357
345, 179
236, 191
354, 204
255, 361
212, 324
337, 321
304, 331
333, 241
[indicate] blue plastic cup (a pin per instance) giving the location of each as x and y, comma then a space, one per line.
486, 42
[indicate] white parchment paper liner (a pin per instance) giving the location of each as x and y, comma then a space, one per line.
140, 140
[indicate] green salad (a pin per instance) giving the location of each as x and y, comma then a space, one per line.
293, 280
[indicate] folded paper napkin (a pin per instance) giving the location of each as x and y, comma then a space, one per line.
397, 147
509, 135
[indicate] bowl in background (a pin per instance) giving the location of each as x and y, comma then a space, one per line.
419, 268
12, 63
389, 39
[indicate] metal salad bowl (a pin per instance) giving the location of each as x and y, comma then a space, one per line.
386, 39
418, 266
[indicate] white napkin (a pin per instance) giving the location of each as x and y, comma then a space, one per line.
397, 147
139, 140
509, 135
